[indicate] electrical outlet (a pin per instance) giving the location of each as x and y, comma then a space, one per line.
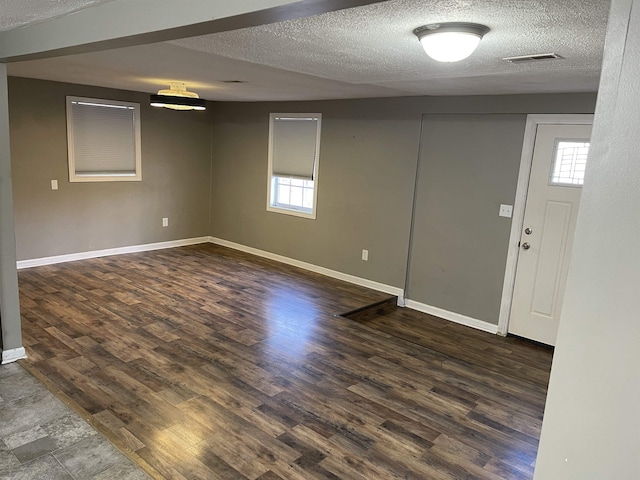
365, 255
165, 222
54, 184
506, 210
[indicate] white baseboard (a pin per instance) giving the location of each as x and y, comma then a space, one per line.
402, 301
18, 353
452, 316
9, 356
363, 282
37, 262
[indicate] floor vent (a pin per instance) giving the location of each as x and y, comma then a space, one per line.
532, 58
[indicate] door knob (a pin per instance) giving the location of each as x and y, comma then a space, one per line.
526, 246
528, 231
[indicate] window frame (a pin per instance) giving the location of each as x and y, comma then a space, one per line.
103, 177
558, 141
275, 187
293, 210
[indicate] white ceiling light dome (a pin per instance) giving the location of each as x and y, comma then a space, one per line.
450, 42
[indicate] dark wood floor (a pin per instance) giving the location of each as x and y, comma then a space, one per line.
209, 363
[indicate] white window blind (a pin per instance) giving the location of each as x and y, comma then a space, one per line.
104, 140
294, 146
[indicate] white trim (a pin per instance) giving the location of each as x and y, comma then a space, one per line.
16, 354
37, 262
9, 356
109, 176
402, 301
520, 201
363, 282
452, 316
270, 176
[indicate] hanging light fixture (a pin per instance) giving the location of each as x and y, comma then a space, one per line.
450, 42
178, 98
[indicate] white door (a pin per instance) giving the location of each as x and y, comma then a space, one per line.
553, 198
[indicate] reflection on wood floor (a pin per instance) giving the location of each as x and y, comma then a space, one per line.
209, 363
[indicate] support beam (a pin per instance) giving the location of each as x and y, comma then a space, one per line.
128, 23
9, 302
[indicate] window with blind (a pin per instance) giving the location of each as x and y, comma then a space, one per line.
294, 144
103, 138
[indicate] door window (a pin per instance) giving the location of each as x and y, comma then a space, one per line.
569, 163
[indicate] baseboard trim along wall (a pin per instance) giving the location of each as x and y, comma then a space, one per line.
452, 316
363, 282
18, 353
37, 262
9, 356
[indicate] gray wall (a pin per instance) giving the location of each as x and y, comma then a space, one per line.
10, 333
468, 166
176, 163
591, 419
208, 174
368, 158
368, 153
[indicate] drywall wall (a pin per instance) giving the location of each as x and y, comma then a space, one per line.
80, 217
365, 187
208, 174
468, 167
590, 427
368, 158
10, 333
103, 25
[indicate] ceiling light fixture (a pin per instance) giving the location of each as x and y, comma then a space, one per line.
450, 42
178, 98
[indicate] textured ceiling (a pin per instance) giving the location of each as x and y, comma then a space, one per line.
17, 13
361, 52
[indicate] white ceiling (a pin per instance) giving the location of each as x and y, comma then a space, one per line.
367, 51
18, 13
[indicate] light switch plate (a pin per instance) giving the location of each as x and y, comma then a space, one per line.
506, 210
54, 184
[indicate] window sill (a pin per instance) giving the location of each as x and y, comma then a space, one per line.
294, 213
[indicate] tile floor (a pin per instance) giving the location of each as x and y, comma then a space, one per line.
41, 438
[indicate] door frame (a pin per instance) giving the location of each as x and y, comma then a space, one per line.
517, 220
